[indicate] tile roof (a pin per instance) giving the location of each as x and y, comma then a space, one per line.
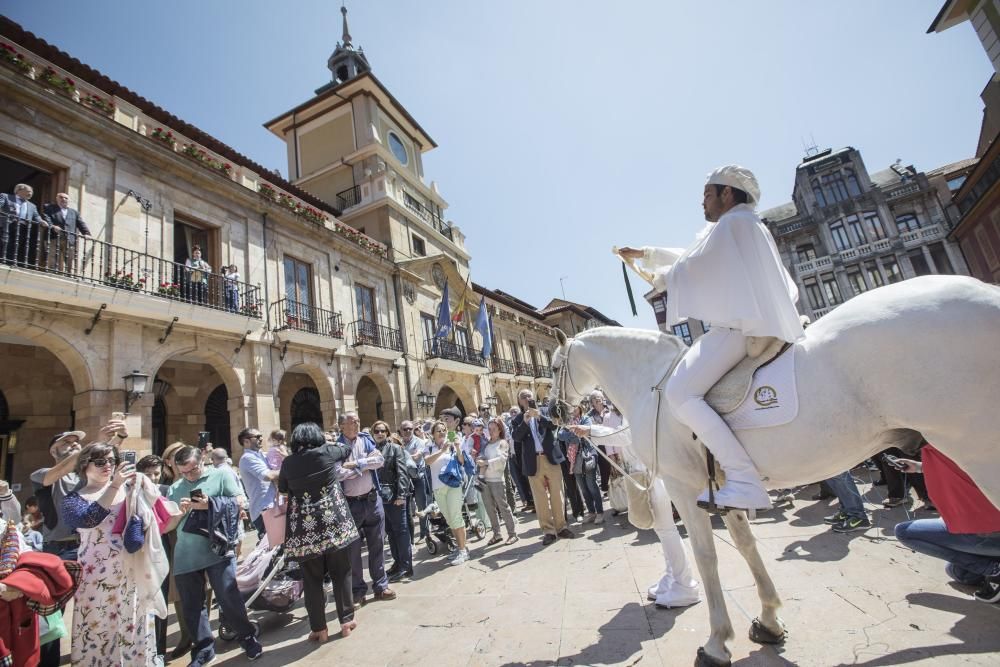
780, 212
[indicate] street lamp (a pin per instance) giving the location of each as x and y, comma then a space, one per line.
135, 387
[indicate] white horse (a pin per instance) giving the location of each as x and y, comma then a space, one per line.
921, 357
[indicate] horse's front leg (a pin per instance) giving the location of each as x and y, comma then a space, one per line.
768, 628
699, 528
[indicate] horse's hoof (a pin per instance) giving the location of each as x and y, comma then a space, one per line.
761, 635
705, 660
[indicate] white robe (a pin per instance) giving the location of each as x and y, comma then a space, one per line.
731, 277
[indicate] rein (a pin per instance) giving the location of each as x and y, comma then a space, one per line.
564, 373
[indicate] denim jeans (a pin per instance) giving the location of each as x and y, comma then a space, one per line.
975, 553
191, 587
591, 492
846, 490
397, 528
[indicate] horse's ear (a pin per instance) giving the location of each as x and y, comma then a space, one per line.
561, 337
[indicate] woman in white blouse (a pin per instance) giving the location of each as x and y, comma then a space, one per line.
492, 462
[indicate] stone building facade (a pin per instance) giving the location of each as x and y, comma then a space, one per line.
339, 268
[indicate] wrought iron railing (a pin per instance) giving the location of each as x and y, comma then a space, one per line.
363, 332
543, 371
502, 365
32, 246
438, 348
524, 368
288, 314
428, 216
349, 197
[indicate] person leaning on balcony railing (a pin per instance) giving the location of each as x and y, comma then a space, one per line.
19, 233
196, 275
66, 225
231, 283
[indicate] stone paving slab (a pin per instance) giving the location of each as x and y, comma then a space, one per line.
848, 599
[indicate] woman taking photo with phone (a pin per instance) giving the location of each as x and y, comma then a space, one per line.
448, 498
112, 617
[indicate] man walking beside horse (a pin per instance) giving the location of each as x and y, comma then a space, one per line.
733, 279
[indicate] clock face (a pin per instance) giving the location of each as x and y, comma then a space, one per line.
439, 278
398, 149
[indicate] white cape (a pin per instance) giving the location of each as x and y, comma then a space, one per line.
731, 277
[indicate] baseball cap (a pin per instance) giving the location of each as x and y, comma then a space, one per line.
80, 435
452, 412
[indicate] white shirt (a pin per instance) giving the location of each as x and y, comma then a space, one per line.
533, 425
731, 277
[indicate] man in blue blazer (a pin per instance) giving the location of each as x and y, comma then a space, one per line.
541, 455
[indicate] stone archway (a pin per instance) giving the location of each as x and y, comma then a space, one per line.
447, 398
371, 406
217, 421
305, 407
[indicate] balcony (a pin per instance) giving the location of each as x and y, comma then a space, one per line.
524, 371
307, 324
349, 198
428, 216
814, 265
448, 356
920, 236
86, 272
374, 340
543, 373
502, 367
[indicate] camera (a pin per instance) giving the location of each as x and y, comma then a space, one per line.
128, 456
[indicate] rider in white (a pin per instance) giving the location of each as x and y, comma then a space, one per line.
677, 587
731, 278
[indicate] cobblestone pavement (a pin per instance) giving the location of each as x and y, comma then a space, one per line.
849, 599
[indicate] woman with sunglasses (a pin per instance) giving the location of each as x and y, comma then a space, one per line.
396, 488
112, 625
492, 463
448, 498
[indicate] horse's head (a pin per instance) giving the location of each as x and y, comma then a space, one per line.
566, 393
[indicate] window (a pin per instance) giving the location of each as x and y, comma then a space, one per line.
533, 355
833, 185
398, 148
429, 325
857, 282
806, 253
907, 223
297, 282
815, 296
818, 193
548, 358
840, 236
462, 337
857, 231
919, 263
365, 298
832, 291
660, 309
940, 257
683, 331
956, 183
515, 352
874, 276
875, 225
852, 183
892, 269
419, 247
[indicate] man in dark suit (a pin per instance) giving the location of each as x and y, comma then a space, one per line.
541, 455
66, 226
20, 230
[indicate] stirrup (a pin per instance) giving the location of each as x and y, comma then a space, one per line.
713, 486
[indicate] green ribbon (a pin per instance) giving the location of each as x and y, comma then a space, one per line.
628, 288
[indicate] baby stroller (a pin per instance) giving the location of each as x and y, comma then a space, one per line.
439, 527
267, 582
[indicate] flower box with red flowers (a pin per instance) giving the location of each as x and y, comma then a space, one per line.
122, 280
250, 310
99, 104
267, 192
10, 56
205, 159
164, 137
169, 290
52, 79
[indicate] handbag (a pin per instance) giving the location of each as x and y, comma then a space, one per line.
451, 475
51, 628
640, 501
618, 494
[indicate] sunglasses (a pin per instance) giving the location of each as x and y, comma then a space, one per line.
380, 430
103, 462
410, 428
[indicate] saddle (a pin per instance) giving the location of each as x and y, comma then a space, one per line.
729, 392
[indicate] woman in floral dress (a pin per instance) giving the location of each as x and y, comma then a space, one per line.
111, 628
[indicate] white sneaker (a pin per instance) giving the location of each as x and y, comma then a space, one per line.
672, 601
652, 592
740, 496
599, 518
461, 557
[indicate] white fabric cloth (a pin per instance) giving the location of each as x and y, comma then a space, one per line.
731, 277
149, 564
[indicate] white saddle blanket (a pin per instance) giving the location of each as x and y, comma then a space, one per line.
772, 399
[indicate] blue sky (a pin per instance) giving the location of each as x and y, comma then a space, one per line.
563, 127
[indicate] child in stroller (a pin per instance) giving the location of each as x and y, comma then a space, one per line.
439, 527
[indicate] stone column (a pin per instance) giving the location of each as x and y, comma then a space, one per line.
930, 260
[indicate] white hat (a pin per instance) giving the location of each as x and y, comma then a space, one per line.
737, 177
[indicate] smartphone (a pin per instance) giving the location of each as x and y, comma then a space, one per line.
119, 416
197, 494
203, 437
894, 461
128, 456
532, 404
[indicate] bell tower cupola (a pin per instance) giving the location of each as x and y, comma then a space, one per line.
346, 62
